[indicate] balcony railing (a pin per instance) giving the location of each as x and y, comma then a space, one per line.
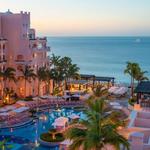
38, 38
41, 49
23, 61
3, 39
3, 61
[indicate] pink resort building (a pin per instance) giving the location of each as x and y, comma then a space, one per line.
19, 46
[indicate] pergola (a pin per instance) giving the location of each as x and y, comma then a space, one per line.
97, 78
142, 88
89, 80
105, 79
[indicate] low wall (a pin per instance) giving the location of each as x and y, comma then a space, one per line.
139, 122
144, 115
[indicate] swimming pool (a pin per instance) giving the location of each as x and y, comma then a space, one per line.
31, 132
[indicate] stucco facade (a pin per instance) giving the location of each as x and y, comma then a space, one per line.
19, 46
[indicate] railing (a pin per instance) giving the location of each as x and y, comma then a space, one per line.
41, 49
1, 61
145, 103
19, 60
3, 39
23, 61
38, 38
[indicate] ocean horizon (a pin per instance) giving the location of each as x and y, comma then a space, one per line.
104, 55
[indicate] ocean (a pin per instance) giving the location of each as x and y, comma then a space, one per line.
104, 56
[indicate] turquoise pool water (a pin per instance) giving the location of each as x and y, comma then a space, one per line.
27, 136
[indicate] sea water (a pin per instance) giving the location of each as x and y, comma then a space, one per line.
104, 56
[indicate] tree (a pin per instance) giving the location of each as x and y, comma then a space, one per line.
4, 145
7, 75
100, 91
8, 94
54, 60
42, 77
28, 74
62, 69
141, 76
132, 69
97, 131
56, 69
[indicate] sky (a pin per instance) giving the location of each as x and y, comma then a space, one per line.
85, 17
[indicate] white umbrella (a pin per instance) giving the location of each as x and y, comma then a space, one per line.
61, 119
114, 104
66, 142
74, 116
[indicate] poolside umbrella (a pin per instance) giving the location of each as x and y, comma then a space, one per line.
74, 116
60, 122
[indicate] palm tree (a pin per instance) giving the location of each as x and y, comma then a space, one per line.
72, 73
4, 145
132, 69
97, 131
49, 77
28, 74
57, 75
141, 76
54, 60
8, 93
100, 91
56, 70
7, 75
42, 76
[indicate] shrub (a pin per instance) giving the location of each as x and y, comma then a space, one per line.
132, 101
28, 98
48, 137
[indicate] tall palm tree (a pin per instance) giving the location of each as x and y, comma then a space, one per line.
132, 69
7, 75
42, 77
8, 93
49, 77
57, 75
97, 131
72, 73
54, 60
28, 74
141, 76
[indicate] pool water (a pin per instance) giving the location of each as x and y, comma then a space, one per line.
32, 131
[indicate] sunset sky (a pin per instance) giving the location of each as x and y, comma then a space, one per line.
85, 17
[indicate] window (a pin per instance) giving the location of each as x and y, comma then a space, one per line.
3, 46
34, 55
19, 57
3, 57
34, 45
3, 68
19, 67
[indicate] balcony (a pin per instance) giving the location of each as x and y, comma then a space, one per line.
23, 61
36, 49
3, 39
38, 39
3, 61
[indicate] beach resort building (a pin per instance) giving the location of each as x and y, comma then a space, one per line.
19, 46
